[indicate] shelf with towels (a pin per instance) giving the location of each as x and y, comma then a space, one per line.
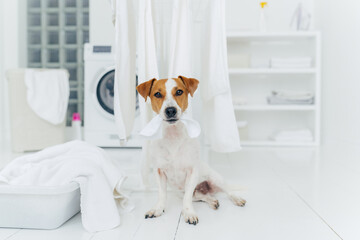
262, 62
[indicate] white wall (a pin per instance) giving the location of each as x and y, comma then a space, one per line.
9, 56
101, 27
241, 15
339, 22
2, 87
244, 14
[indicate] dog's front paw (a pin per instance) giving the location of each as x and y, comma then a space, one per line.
190, 217
214, 204
154, 213
238, 201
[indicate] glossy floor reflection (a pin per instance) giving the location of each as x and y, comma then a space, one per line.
292, 193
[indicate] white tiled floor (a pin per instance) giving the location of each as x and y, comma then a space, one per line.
291, 193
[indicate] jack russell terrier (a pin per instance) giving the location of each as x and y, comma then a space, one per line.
176, 157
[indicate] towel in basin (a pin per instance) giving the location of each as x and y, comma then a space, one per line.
99, 178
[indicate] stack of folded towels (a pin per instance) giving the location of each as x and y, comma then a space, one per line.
297, 135
299, 62
290, 97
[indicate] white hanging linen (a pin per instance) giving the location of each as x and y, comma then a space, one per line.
180, 43
220, 124
147, 60
47, 93
180, 50
147, 69
125, 75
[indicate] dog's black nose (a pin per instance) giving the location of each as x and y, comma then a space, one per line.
170, 112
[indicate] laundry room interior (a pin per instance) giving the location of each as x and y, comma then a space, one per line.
119, 116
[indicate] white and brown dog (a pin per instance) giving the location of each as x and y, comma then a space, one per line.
175, 157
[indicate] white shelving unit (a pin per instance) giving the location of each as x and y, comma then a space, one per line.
255, 84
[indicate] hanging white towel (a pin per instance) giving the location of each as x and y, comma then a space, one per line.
147, 61
48, 93
125, 75
180, 60
147, 69
220, 124
180, 49
99, 178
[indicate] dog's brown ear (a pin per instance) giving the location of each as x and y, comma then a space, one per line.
191, 84
145, 88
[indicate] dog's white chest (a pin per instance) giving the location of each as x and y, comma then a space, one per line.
175, 177
175, 154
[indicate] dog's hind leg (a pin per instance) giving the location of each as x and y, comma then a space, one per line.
217, 184
159, 208
211, 201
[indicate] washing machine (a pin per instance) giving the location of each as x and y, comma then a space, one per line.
99, 121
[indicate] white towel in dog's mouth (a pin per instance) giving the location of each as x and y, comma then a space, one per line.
153, 129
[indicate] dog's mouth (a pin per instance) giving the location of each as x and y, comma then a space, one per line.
172, 120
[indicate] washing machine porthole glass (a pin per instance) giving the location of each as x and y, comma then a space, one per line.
105, 92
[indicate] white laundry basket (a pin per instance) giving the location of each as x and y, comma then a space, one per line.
28, 131
38, 207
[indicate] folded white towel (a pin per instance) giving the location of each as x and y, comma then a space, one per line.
283, 97
239, 100
292, 95
279, 101
48, 93
285, 65
294, 60
99, 178
297, 135
301, 62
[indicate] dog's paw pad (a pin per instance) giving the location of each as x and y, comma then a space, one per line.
191, 218
154, 213
238, 201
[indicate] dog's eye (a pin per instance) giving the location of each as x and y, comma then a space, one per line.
158, 95
179, 92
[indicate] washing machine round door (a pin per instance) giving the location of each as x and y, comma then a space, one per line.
105, 91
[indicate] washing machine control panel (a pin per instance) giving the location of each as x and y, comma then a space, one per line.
94, 52
101, 49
